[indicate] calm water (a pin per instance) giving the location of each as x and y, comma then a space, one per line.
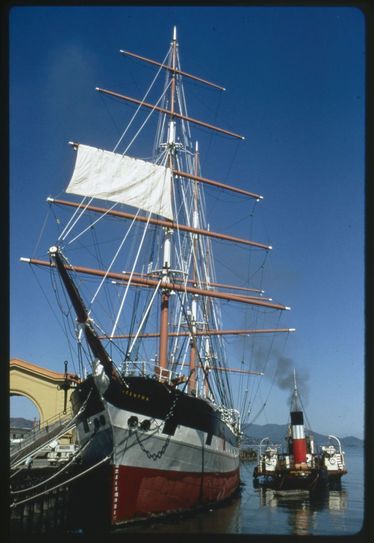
260, 511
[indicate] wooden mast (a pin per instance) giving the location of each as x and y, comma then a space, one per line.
218, 184
245, 332
168, 283
152, 283
160, 222
82, 314
212, 284
195, 223
168, 111
164, 324
179, 72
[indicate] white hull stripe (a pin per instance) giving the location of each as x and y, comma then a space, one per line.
186, 451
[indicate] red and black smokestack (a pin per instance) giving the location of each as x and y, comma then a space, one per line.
297, 428
298, 437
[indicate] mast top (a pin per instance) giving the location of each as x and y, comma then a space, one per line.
174, 33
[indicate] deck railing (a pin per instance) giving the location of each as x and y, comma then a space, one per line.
150, 369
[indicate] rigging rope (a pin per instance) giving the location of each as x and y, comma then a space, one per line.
131, 275
114, 258
145, 122
54, 475
71, 223
42, 230
91, 225
47, 491
140, 105
68, 425
144, 317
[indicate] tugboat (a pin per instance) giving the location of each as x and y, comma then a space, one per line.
300, 467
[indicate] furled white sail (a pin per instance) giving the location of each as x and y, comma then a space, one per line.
111, 176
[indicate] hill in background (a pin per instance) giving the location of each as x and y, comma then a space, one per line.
253, 433
276, 432
20, 422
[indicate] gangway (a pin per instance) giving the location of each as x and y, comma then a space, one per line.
39, 437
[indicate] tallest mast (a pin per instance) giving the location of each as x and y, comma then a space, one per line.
164, 328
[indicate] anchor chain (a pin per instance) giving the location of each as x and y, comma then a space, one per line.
150, 455
161, 452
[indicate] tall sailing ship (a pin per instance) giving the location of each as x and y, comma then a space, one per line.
157, 432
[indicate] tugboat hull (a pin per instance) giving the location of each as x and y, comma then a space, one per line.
294, 480
300, 467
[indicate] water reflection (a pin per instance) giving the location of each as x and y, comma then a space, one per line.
301, 512
257, 510
221, 519
302, 507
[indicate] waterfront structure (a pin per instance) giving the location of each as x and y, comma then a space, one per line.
42, 386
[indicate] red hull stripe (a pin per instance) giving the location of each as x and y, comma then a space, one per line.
139, 492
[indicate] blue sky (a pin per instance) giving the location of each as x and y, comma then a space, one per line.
295, 90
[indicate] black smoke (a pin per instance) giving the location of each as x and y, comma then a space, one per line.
280, 369
285, 379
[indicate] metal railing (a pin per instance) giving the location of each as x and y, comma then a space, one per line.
41, 435
150, 369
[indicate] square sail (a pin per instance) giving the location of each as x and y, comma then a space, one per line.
123, 179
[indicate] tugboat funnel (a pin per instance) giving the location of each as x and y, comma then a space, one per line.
299, 449
298, 437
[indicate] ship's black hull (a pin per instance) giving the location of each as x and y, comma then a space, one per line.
151, 398
168, 451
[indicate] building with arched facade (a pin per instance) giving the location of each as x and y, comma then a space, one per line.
44, 387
